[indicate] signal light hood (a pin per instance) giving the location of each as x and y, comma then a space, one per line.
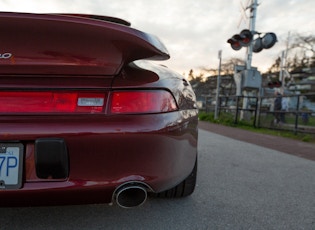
241, 40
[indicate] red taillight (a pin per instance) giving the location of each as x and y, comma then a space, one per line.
142, 102
52, 102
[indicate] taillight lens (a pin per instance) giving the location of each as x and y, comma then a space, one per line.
142, 102
52, 102
122, 102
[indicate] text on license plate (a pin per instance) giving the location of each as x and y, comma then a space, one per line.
10, 165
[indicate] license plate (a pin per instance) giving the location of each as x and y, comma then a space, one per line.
11, 165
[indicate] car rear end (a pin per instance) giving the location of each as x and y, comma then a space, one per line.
79, 119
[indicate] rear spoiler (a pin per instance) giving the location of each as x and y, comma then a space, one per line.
100, 17
72, 43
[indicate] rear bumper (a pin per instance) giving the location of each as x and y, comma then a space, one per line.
104, 152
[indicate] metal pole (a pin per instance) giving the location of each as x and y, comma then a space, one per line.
283, 68
249, 51
252, 23
237, 109
297, 113
218, 86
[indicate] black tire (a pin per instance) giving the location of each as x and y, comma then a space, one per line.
185, 188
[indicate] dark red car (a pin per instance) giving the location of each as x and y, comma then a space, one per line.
85, 118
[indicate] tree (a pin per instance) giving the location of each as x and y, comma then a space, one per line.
275, 68
301, 54
227, 67
306, 43
195, 79
302, 51
208, 85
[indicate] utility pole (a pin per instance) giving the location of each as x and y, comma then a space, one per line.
218, 86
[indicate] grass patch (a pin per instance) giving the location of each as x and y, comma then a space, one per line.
229, 120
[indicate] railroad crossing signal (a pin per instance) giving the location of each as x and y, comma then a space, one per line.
274, 84
241, 40
266, 42
245, 38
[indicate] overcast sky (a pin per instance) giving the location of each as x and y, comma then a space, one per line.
192, 30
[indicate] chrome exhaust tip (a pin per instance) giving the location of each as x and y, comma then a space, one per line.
130, 195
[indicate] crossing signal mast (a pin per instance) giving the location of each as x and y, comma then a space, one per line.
248, 78
254, 42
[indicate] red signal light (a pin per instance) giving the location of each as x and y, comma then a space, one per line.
246, 37
274, 84
235, 44
241, 40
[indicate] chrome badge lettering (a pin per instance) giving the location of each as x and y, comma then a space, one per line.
5, 55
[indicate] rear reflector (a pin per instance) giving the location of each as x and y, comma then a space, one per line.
83, 101
52, 102
142, 102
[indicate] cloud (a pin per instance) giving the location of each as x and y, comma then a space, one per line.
193, 31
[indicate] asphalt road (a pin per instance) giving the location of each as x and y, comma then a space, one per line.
240, 186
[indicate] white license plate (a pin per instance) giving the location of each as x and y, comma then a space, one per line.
11, 165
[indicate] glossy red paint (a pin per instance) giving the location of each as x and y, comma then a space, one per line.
74, 55
64, 44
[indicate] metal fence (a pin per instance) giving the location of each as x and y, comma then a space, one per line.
299, 116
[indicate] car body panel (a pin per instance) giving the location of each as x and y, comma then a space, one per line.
105, 150
66, 44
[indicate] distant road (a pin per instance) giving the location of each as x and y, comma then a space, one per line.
240, 186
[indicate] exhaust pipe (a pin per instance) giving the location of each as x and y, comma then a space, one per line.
130, 195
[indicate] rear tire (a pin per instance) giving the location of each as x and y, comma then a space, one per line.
185, 188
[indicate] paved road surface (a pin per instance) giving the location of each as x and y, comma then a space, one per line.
282, 144
240, 186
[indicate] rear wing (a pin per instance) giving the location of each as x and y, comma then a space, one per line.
72, 43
